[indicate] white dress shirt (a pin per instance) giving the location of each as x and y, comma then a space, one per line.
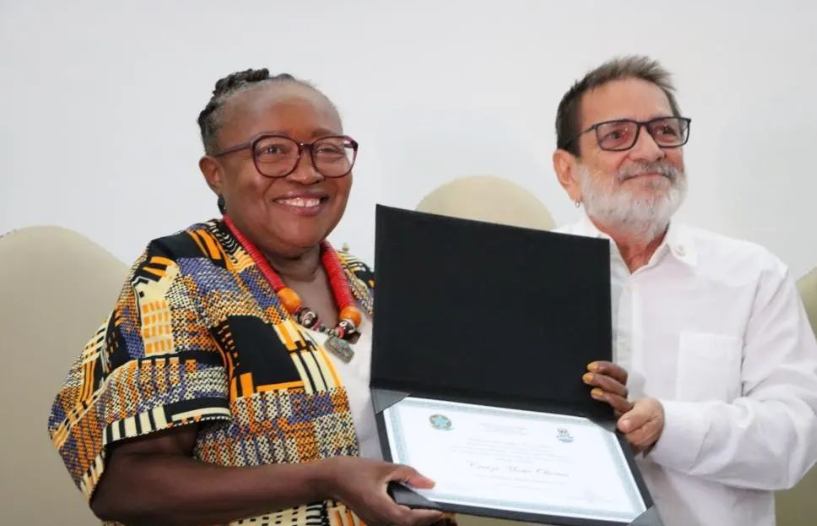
714, 328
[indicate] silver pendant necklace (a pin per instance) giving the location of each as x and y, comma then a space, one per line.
340, 348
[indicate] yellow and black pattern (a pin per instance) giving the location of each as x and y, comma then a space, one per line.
361, 280
325, 514
198, 335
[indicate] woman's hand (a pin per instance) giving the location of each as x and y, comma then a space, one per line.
609, 383
154, 481
361, 485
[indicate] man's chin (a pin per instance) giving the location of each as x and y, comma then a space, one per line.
639, 214
651, 184
647, 194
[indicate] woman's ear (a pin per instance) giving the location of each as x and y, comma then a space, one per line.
213, 173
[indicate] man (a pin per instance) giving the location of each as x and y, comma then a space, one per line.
722, 362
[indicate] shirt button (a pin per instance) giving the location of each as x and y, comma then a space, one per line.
680, 250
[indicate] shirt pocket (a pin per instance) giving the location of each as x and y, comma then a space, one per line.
708, 367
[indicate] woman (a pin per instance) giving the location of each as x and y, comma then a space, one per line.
208, 396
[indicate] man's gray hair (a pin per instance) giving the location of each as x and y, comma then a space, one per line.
619, 68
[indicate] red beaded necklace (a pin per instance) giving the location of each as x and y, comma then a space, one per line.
349, 317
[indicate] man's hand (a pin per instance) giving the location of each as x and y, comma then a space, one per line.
609, 383
643, 424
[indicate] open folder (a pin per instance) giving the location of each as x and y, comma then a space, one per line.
481, 337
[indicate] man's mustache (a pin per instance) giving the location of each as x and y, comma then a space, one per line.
661, 168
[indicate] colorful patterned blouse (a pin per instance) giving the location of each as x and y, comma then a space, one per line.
198, 335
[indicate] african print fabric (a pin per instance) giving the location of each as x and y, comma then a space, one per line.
198, 335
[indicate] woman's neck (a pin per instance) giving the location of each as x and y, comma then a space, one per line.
304, 268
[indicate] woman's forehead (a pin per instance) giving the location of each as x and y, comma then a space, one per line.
280, 108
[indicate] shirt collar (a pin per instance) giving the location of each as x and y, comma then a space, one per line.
678, 240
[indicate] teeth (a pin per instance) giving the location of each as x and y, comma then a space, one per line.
301, 202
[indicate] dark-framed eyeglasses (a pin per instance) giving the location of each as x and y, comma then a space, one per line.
279, 155
622, 134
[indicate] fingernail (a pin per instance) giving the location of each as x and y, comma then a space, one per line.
587, 377
624, 425
593, 367
596, 393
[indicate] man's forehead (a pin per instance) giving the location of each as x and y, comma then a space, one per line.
624, 99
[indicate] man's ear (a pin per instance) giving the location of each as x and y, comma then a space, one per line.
564, 164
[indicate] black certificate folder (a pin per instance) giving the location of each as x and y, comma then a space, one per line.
489, 318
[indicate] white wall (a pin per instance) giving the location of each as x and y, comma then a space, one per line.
100, 98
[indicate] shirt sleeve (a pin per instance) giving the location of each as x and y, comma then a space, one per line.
152, 365
766, 439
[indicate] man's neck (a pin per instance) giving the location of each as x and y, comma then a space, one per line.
636, 247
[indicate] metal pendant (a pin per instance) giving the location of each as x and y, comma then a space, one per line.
340, 348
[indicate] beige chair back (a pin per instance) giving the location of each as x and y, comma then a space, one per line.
798, 506
490, 199
807, 286
57, 287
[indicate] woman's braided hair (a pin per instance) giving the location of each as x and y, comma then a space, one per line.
229, 86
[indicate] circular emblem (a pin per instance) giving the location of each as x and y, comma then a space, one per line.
563, 435
441, 422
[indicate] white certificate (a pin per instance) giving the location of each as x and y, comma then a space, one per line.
508, 459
